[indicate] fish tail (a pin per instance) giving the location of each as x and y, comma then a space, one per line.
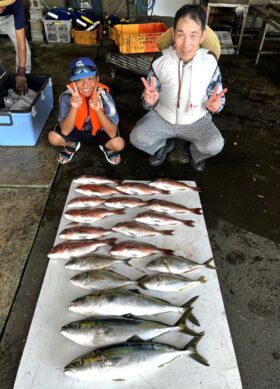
194, 354
167, 251
196, 189
110, 242
202, 279
208, 264
119, 211
167, 232
189, 223
197, 211
181, 323
187, 307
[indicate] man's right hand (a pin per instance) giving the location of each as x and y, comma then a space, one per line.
150, 94
75, 100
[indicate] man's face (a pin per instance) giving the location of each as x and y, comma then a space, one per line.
86, 85
2, 9
187, 38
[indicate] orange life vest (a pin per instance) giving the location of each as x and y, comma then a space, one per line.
85, 110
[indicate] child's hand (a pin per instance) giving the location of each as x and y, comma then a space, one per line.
150, 94
95, 102
75, 100
214, 102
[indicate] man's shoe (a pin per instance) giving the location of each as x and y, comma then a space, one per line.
158, 158
195, 166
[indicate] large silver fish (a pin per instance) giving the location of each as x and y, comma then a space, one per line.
85, 202
137, 249
93, 262
169, 207
124, 202
176, 265
80, 232
91, 179
126, 360
127, 302
69, 249
95, 332
136, 229
167, 282
86, 215
100, 280
158, 219
171, 185
134, 188
96, 190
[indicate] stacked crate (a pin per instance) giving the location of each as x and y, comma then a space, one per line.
36, 25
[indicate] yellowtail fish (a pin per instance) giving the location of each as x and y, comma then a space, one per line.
124, 202
134, 188
93, 262
176, 265
157, 219
85, 202
136, 230
126, 302
87, 215
95, 332
168, 282
69, 249
170, 185
169, 207
100, 280
80, 232
137, 249
90, 179
96, 190
125, 360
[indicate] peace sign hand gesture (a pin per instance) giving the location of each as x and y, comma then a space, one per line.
75, 99
95, 101
150, 94
214, 102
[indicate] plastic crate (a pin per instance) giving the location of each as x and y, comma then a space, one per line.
112, 33
138, 38
88, 38
57, 30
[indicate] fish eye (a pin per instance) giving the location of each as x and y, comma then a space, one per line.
79, 363
76, 325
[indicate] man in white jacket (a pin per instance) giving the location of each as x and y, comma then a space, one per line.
183, 89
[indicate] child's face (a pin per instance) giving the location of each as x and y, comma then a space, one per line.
86, 86
2, 9
187, 38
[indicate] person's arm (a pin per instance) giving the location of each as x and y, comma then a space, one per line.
21, 82
68, 123
216, 93
107, 124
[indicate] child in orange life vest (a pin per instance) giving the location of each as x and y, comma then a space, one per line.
87, 113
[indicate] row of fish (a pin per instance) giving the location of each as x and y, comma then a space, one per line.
124, 346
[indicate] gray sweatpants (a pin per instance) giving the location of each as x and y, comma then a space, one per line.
7, 26
151, 133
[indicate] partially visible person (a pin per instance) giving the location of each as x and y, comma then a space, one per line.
182, 92
12, 24
87, 113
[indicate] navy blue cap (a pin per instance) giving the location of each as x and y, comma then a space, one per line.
82, 67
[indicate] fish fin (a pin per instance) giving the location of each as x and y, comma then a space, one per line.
186, 317
129, 316
110, 241
135, 339
119, 211
119, 379
186, 330
197, 211
189, 223
168, 251
167, 363
192, 347
191, 317
167, 232
202, 279
208, 264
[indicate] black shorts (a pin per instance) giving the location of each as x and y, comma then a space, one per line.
100, 138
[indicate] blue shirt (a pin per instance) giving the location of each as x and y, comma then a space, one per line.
16, 9
64, 107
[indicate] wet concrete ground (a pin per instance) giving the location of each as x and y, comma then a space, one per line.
240, 199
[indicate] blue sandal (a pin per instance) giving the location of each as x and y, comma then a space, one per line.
67, 153
113, 157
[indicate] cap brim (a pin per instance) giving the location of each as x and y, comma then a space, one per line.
80, 76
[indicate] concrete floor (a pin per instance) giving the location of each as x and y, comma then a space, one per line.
240, 199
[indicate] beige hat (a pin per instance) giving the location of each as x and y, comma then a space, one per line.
4, 3
211, 41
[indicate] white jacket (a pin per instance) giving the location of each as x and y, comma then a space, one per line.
183, 87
